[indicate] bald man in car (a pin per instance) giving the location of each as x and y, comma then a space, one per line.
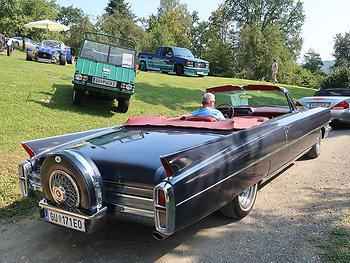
208, 108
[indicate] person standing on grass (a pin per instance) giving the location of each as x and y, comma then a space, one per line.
274, 71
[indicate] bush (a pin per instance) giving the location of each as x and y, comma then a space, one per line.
303, 77
339, 78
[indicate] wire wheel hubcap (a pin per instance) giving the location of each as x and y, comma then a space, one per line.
64, 190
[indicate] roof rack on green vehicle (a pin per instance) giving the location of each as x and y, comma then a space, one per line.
107, 39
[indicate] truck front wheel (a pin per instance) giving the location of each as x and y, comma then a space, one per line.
123, 105
143, 66
77, 96
179, 70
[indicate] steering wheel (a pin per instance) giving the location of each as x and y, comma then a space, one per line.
226, 109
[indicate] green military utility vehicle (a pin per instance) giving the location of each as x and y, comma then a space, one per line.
105, 67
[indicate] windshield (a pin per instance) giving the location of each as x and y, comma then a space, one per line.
252, 98
51, 43
105, 53
182, 52
333, 92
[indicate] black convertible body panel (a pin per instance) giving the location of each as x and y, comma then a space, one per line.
169, 175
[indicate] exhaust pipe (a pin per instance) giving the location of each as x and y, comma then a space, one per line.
159, 236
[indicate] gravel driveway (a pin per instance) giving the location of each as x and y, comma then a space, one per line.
305, 201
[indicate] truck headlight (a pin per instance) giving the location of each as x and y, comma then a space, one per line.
78, 77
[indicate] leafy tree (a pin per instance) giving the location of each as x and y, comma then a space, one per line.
288, 14
15, 13
120, 7
79, 23
339, 78
70, 15
171, 26
342, 50
312, 61
118, 20
256, 49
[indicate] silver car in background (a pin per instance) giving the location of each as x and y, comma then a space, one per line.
337, 100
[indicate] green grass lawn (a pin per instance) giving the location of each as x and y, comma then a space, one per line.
35, 102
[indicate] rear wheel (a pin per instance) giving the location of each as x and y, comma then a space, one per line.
315, 149
77, 96
242, 204
123, 105
29, 56
179, 69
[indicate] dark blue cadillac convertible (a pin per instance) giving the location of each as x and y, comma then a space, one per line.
171, 172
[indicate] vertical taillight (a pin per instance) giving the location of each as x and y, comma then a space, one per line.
161, 208
341, 106
164, 208
30, 152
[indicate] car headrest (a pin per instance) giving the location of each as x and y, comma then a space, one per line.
199, 118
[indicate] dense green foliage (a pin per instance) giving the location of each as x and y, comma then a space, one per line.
338, 78
342, 50
340, 74
312, 61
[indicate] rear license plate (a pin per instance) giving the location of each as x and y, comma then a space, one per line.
319, 104
200, 73
105, 82
64, 220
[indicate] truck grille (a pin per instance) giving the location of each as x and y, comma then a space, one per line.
200, 65
43, 55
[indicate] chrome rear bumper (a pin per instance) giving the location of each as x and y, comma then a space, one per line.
92, 222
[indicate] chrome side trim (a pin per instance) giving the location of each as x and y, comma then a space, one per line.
134, 211
285, 165
128, 189
241, 170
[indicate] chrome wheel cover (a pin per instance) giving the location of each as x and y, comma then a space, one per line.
247, 197
64, 190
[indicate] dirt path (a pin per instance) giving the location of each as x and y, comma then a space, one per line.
304, 202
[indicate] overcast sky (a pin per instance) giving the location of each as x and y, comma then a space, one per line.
324, 18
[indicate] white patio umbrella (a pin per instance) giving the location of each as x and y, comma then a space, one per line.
48, 25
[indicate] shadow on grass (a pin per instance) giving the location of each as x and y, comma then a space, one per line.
19, 208
61, 99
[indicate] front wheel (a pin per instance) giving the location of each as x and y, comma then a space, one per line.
143, 66
179, 70
315, 149
123, 105
77, 96
242, 204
